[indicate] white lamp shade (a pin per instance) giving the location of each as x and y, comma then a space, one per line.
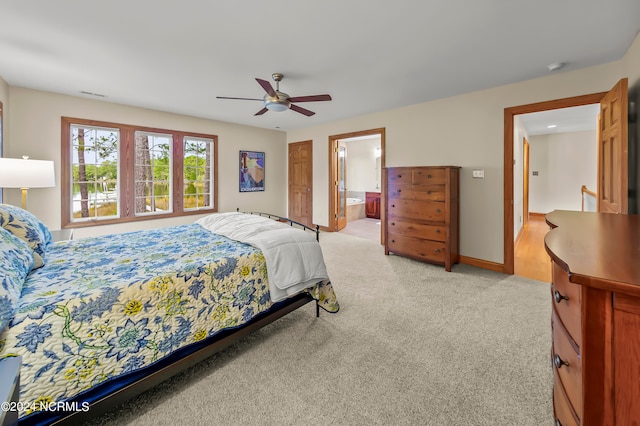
26, 173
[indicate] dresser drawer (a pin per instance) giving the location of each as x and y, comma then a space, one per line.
417, 209
565, 298
436, 176
417, 192
562, 410
416, 229
416, 247
568, 366
401, 176
418, 176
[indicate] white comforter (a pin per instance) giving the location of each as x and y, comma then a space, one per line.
293, 256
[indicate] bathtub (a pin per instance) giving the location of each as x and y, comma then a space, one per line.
355, 209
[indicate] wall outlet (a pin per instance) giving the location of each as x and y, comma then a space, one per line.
478, 174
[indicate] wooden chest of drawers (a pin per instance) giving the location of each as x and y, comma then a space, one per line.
422, 213
595, 318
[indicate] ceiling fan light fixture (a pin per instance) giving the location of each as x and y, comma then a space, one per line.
277, 101
277, 105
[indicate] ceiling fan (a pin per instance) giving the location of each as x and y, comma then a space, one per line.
275, 100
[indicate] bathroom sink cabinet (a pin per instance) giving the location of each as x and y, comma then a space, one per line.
372, 200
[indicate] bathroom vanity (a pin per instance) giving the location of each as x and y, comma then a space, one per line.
372, 202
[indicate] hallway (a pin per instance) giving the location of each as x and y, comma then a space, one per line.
530, 258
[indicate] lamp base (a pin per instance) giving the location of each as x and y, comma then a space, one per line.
24, 198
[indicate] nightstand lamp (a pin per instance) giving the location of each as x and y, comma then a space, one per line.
25, 173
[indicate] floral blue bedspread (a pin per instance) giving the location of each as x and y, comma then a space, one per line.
105, 306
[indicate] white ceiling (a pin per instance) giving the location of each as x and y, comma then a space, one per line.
574, 119
368, 55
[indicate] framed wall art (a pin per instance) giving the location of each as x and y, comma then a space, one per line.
251, 171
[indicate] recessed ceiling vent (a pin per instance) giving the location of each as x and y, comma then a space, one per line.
98, 95
555, 66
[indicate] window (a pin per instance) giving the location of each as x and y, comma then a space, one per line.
198, 190
117, 173
153, 163
94, 174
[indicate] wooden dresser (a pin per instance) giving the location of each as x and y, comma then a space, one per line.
595, 318
421, 211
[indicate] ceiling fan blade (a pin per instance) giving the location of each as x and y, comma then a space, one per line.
306, 112
267, 87
242, 99
262, 111
312, 98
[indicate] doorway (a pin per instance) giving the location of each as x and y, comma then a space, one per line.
612, 169
339, 190
555, 158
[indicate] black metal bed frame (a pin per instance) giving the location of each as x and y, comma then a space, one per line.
287, 220
217, 343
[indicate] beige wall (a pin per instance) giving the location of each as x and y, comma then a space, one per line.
35, 131
564, 161
631, 63
467, 131
519, 133
4, 98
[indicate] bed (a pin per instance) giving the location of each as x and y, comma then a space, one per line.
99, 320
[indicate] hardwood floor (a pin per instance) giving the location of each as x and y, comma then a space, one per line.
531, 258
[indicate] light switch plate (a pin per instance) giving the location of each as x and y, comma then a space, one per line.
478, 174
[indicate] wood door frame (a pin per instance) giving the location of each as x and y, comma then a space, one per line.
525, 181
310, 143
342, 174
509, 114
333, 164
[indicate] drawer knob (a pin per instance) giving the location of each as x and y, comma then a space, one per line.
399, 176
428, 192
559, 297
437, 210
437, 231
393, 205
437, 251
559, 362
393, 224
393, 241
429, 176
399, 191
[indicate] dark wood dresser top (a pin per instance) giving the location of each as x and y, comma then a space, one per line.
600, 250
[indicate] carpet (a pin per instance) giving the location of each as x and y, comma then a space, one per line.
411, 345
